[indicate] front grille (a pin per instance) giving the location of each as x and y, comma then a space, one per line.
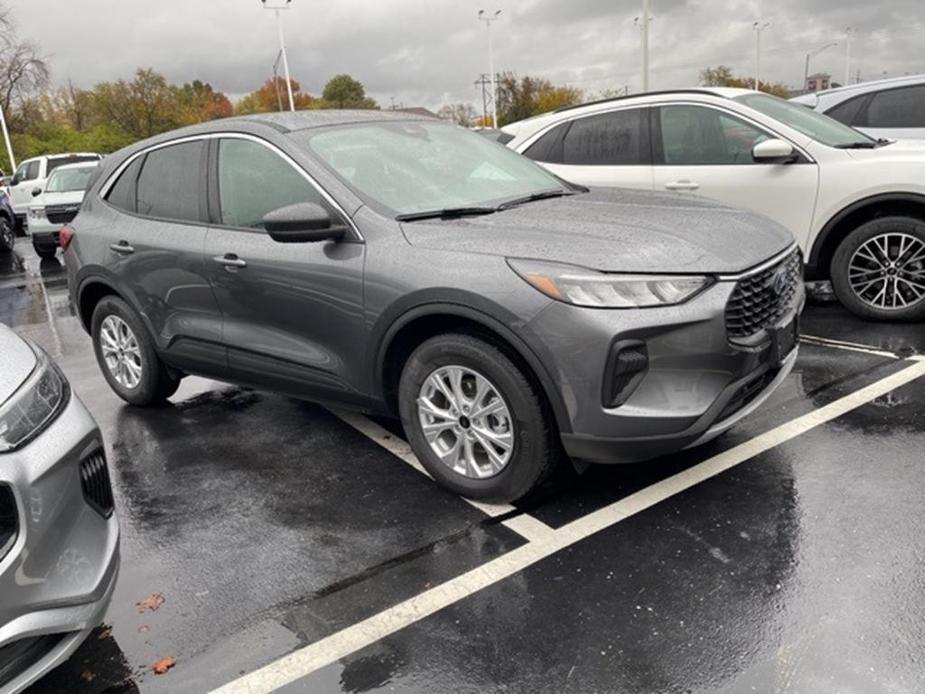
9, 525
19, 656
61, 214
761, 300
94, 481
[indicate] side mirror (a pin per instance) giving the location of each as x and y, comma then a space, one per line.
304, 222
36, 192
14, 182
773, 151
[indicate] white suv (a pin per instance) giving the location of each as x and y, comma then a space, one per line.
32, 175
893, 108
856, 205
57, 205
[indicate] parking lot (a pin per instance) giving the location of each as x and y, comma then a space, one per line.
299, 548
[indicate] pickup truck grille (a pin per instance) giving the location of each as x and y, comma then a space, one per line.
61, 214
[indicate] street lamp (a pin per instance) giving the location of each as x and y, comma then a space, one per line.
812, 54
644, 25
276, 6
488, 18
758, 27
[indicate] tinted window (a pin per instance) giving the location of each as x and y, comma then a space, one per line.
253, 180
171, 183
896, 108
847, 111
55, 162
122, 194
606, 140
549, 147
697, 135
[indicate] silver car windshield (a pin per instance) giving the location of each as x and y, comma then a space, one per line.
412, 167
68, 180
821, 128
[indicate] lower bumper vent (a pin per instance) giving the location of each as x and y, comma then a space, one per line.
94, 481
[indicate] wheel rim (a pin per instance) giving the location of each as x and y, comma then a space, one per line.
121, 352
887, 271
466, 422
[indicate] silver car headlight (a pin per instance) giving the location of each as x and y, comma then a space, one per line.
583, 287
34, 405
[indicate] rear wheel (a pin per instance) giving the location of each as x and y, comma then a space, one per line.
474, 420
7, 235
126, 355
878, 271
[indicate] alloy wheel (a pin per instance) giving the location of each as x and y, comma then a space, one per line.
466, 421
887, 271
121, 352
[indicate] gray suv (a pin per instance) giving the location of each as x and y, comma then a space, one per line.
398, 264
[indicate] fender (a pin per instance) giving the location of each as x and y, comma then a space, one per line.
823, 236
478, 309
98, 275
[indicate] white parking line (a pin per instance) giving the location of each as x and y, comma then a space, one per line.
340, 644
850, 346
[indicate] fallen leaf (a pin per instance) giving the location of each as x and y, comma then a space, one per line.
152, 602
163, 665
105, 633
87, 676
143, 628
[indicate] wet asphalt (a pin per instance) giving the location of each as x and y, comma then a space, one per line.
267, 523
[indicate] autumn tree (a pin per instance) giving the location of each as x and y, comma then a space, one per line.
23, 70
520, 98
272, 96
343, 91
461, 114
722, 76
200, 102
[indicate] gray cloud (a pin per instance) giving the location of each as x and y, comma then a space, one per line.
430, 52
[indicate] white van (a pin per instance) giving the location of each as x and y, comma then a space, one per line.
32, 175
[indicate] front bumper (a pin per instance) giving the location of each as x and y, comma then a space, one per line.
57, 576
697, 385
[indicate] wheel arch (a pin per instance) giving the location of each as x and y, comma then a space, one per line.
421, 322
851, 217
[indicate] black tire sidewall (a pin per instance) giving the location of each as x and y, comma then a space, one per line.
7, 235
842, 258
531, 448
152, 388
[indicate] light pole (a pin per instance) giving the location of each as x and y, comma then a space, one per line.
847, 55
812, 54
644, 25
488, 18
758, 26
276, 6
6, 136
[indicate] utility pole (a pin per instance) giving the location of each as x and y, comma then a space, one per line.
645, 46
488, 19
758, 26
484, 82
279, 99
810, 55
848, 55
282, 43
6, 137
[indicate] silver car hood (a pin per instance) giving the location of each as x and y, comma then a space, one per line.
17, 361
615, 230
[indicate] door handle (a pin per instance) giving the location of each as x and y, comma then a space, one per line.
230, 261
682, 185
122, 247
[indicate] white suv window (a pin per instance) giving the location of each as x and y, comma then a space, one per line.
697, 135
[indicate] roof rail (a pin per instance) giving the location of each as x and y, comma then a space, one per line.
701, 90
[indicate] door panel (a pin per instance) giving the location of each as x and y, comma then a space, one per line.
707, 152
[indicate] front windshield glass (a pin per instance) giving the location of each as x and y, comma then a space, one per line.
821, 128
68, 180
411, 167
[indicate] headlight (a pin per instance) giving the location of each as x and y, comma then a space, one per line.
36, 212
31, 408
583, 287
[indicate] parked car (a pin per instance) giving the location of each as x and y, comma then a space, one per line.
32, 175
404, 265
59, 538
856, 205
7, 224
57, 205
892, 108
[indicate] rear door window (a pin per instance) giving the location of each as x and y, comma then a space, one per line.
617, 138
903, 107
171, 183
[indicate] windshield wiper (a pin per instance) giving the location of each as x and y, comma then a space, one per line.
448, 212
542, 195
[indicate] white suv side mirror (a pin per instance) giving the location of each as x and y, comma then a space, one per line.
774, 150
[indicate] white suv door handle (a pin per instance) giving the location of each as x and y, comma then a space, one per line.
682, 185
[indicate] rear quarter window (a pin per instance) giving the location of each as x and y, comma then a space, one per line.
122, 194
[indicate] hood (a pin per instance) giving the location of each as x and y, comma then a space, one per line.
615, 230
17, 361
71, 197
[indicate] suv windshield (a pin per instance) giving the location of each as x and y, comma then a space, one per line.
821, 128
417, 167
68, 180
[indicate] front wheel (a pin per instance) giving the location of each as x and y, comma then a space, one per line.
126, 355
878, 271
7, 235
474, 419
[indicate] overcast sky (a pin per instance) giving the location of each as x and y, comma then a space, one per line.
429, 52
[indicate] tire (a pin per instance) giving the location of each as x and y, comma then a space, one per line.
155, 382
535, 442
45, 252
7, 235
852, 263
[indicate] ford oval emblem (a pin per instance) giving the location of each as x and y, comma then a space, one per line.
780, 282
